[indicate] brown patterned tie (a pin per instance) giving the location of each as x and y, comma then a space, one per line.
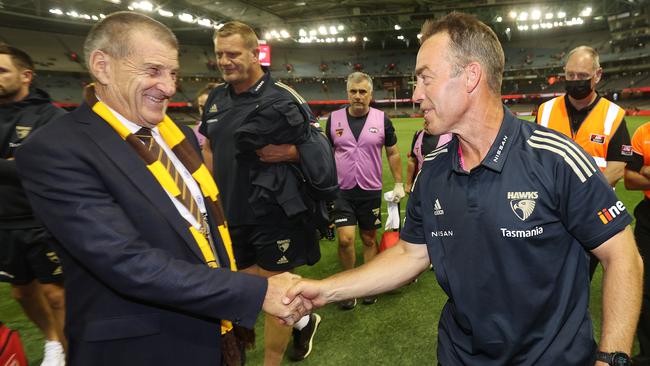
158, 153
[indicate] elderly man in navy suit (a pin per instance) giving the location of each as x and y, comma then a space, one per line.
150, 275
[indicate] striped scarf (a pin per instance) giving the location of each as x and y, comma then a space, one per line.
185, 152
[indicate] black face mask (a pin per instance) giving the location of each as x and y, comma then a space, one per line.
578, 89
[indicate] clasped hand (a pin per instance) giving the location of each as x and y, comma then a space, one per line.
289, 297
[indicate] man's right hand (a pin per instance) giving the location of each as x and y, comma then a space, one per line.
288, 312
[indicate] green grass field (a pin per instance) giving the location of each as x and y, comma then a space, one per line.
400, 329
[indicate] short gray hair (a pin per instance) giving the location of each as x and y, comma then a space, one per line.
588, 50
357, 77
112, 34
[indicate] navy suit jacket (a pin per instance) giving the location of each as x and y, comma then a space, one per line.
138, 291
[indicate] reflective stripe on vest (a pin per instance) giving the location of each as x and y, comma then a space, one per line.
595, 131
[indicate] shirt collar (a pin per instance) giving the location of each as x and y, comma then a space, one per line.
258, 87
498, 153
131, 126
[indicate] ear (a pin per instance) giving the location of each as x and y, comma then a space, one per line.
256, 55
598, 75
473, 75
26, 76
100, 66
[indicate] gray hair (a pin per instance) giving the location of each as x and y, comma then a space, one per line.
112, 34
357, 77
588, 50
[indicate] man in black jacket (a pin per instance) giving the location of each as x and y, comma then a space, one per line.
272, 202
26, 259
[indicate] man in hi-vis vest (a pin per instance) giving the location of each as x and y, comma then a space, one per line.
595, 123
358, 133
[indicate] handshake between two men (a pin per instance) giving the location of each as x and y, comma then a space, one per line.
289, 297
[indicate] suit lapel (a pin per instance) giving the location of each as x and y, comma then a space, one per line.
128, 161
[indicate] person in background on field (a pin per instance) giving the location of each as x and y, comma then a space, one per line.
27, 260
637, 177
423, 143
274, 171
358, 134
593, 122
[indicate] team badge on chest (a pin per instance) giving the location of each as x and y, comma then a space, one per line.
522, 203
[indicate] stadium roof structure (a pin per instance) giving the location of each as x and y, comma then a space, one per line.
373, 22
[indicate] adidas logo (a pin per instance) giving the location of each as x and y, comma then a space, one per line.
437, 209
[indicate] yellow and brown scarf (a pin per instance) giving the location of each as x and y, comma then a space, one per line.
186, 153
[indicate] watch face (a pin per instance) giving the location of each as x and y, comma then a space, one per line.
620, 359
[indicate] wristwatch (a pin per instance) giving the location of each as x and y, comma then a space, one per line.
614, 358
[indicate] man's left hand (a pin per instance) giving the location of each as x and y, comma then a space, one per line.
278, 153
398, 192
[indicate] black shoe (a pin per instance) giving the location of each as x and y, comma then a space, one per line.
369, 300
347, 304
302, 339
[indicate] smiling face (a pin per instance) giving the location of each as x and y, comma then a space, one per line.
140, 85
440, 91
239, 65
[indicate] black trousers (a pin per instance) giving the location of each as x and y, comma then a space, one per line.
642, 236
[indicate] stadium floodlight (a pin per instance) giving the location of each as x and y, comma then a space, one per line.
419, 35
340, 40
340, 27
142, 5
302, 33
400, 37
102, 16
322, 30
165, 13
523, 16
267, 35
204, 22
499, 19
73, 14
333, 30
56, 11
534, 26
94, 17
507, 31
586, 12
561, 14
548, 16
284, 33
185, 17
85, 16
535, 14
512, 14
365, 39
397, 27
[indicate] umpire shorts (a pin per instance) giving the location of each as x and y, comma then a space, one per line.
26, 254
356, 206
279, 247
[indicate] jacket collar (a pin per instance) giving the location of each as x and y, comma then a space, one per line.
128, 161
